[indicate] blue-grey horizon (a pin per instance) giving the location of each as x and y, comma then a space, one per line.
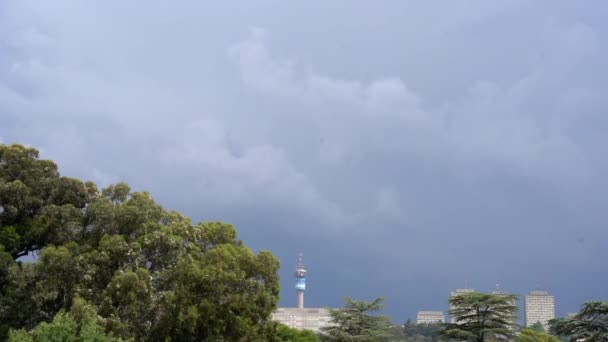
407, 148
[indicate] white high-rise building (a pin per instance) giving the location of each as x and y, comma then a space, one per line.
430, 317
539, 307
456, 293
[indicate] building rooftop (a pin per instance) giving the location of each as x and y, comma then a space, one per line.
302, 311
305, 318
464, 290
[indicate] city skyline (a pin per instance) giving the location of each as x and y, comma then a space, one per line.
423, 315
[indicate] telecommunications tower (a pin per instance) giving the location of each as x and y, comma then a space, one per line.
300, 275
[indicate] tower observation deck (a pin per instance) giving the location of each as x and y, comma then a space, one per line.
300, 275
299, 317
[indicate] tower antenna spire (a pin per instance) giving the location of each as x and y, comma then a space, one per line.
300, 275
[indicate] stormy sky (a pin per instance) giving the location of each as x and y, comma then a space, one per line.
407, 148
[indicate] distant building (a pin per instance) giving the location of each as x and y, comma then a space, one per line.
430, 317
539, 307
458, 292
307, 318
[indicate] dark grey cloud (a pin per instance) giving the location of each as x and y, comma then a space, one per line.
407, 148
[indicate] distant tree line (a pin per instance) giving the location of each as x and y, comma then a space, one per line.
479, 317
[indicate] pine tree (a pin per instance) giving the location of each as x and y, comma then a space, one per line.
481, 317
356, 323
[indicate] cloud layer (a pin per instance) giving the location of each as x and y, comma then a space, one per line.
407, 148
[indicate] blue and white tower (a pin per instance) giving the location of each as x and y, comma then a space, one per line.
300, 281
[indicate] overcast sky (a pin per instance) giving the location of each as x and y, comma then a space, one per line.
407, 148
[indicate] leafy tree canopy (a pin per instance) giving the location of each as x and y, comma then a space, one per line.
421, 332
537, 327
287, 334
150, 274
481, 317
590, 324
80, 324
530, 335
356, 322
37, 206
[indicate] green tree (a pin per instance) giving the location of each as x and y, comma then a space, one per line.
37, 206
529, 335
481, 317
590, 324
226, 292
356, 322
421, 332
287, 334
537, 327
6, 260
81, 324
149, 273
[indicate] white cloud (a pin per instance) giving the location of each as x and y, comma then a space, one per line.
257, 67
103, 179
360, 127
388, 205
260, 70
260, 172
494, 122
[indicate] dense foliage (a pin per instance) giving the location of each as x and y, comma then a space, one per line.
287, 334
356, 322
150, 274
413, 332
530, 335
590, 324
481, 317
537, 327
80, 324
